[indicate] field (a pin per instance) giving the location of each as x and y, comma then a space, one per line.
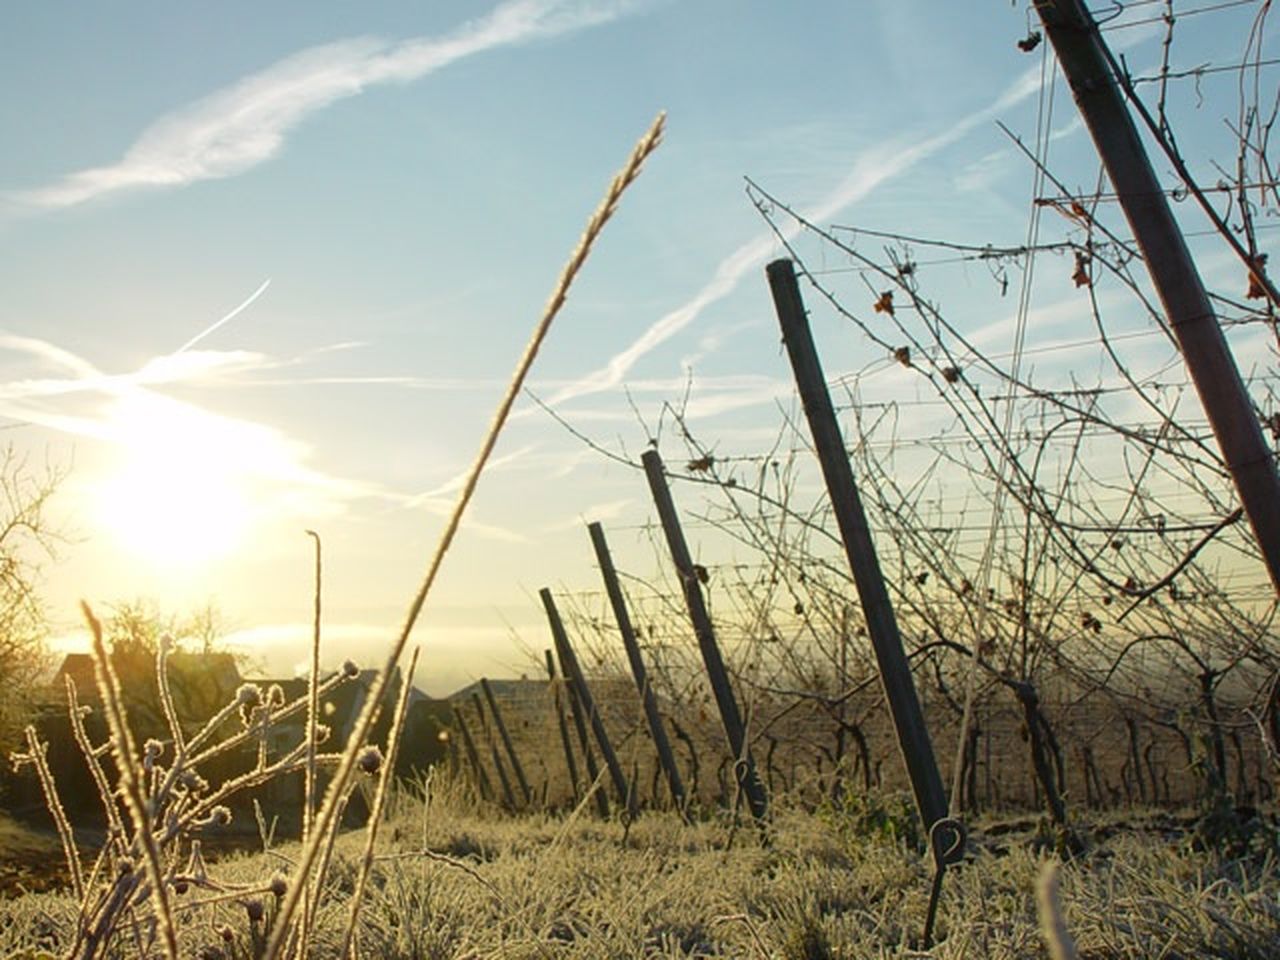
453, 879
1112, 695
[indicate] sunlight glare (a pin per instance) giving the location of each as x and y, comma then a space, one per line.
180, 495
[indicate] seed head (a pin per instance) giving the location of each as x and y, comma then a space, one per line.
370, 760
249, 695
219, 816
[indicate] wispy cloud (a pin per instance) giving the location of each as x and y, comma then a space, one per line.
241, 126
441, 495
127, 412
874, 167
596, 513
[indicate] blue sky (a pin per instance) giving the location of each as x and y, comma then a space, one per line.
267, 268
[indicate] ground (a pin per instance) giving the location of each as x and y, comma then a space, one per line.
457, 881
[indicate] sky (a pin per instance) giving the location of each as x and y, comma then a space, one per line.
267, 269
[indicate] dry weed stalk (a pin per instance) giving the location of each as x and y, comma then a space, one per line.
1053, 925
388, 766
167, 807
141, 808
284, 931
37, 755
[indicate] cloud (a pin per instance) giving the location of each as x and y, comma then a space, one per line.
455, 483
123, 406
874, 167
237, 128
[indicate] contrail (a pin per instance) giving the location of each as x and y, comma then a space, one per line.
208, 330
871, 169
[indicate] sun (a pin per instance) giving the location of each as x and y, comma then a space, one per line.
180, 494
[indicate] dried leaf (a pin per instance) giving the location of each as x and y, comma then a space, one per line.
702, 464
1081, 276
903, 356
885, 303
1257, 289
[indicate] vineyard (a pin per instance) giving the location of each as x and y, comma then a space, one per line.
970, 652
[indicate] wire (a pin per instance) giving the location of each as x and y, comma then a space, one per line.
1202, 71
1194, 12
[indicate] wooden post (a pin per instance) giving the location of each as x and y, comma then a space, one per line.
623, 618
584, 739
573, 670
744, 764
1082, 54
507, 793
506, 741
564, 727
473, 757
895, 672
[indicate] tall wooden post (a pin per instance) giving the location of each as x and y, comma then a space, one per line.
665, 755
507, 792
1082, 54
744, 764
895, 672
573, 670
558, 701
506, 740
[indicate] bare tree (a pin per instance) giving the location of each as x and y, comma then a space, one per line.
26, 542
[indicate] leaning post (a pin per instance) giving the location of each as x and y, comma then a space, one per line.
659, 733
506, 740
744, 765
558, 703
946, 835
573, 670
1087, 65
895, 672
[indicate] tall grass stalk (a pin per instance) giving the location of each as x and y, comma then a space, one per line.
37, 756
385, 776
283, 930
313, 711
126, 754
1053, 925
